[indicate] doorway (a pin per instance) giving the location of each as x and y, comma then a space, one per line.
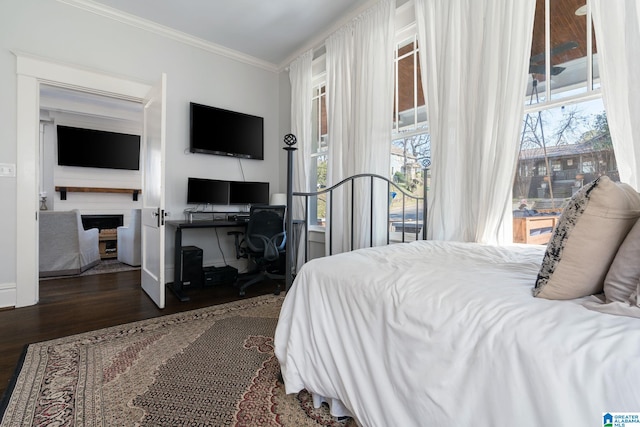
72, 109
32, 73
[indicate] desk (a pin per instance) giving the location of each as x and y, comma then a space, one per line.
176, 286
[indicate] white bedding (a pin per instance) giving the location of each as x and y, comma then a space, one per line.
448, 334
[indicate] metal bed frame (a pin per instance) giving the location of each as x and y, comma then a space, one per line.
292, 244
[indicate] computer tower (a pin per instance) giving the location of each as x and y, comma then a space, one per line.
191, 261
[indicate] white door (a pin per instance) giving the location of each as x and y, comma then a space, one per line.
153, 193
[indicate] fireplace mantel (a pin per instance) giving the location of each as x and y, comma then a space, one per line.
63, 191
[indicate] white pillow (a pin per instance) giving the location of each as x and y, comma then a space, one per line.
624, 273
630, 307
586, 239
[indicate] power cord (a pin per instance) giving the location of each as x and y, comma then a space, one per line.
241, 170
220, 247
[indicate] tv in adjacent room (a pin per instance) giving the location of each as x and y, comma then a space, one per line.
226, 133
97, 149
201, 191
248, 193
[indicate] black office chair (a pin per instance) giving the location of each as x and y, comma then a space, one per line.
264, 245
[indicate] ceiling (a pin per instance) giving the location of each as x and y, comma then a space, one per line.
55, 99
276, 31
568, 25
270, 31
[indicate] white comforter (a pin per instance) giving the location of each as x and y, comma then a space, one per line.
448, 334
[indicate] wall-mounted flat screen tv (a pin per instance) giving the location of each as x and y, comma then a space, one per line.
248, 193
226, 133
201, 191
97, 149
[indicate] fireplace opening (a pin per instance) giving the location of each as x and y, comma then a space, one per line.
108, 237
102, 222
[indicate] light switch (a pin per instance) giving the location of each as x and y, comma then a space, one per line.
7, 169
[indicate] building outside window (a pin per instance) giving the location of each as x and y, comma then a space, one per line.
565, 141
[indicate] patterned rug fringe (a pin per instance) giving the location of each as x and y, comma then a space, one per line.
103, 267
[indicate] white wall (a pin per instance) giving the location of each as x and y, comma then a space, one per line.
285, 124
63, 33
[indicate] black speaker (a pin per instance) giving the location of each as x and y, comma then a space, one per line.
191, 266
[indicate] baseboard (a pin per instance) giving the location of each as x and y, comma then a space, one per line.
7, 295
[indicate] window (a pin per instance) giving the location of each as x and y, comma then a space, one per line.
410, 145
565, 137
411, 142
319, 151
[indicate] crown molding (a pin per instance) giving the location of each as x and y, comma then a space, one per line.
144, 24
319, 41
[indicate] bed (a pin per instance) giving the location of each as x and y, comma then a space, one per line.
455, 333
447, 333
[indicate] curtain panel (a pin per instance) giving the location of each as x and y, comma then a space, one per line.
474, 57
359, 109
617, 28
300, 77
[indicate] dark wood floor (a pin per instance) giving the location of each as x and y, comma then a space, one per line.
80, 304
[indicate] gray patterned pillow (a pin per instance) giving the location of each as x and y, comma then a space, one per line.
586, 239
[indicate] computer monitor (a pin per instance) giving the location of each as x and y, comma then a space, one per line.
248, 193
201, 191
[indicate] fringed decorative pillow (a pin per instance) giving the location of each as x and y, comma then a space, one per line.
586, 239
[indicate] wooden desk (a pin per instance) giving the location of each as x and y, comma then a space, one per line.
176, 286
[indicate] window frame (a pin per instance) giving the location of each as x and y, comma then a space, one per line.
591, 92
320, 143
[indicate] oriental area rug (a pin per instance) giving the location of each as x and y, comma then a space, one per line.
207, 367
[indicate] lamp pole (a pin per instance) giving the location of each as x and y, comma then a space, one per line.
290, 140
426, 163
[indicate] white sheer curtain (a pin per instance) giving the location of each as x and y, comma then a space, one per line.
300, 77
474, 56
359, 111
617, 27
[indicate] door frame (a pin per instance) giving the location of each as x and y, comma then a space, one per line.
32, 71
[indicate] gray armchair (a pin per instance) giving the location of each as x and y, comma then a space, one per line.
66, 248
129, 240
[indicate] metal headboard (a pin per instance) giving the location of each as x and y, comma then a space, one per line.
290, 140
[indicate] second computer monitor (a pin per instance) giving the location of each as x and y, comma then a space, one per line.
248, 193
